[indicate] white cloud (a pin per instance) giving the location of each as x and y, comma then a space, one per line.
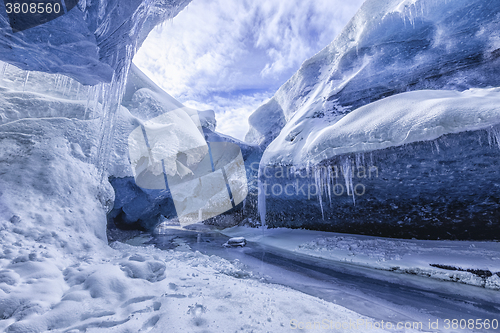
232, 112
238, 52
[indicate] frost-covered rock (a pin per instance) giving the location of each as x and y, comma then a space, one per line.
235, 242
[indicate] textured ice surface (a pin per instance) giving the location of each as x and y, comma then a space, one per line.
93, 43
49, 185
89, 42
446, 188
357, 95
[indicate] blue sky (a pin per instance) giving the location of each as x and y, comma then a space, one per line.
232, 55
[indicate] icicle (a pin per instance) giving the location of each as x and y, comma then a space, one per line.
111, 103
319, 189
328, 180
67, 87
347, 173
113, 92
98, 96
26, 80
437, 146
261, 196
78, 85
90, 98
494, 136
358, 161
64, 84
60, 83
57, 81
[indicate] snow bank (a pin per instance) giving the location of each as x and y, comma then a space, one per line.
394, 121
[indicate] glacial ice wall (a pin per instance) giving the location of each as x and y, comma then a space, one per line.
50, 190
392, 129
420, 164
61, 87
447, 188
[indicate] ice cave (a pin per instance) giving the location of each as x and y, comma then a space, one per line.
365, 196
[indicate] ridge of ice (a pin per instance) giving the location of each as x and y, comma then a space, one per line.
394, 121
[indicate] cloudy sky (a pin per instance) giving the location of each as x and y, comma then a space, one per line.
232, 55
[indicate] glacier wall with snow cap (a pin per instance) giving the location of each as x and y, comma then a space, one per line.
421, 164
401, 119
388, 47
447, 188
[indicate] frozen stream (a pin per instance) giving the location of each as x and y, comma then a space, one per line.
377, 294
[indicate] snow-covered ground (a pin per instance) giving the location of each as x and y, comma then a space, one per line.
469, 262
129, 288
